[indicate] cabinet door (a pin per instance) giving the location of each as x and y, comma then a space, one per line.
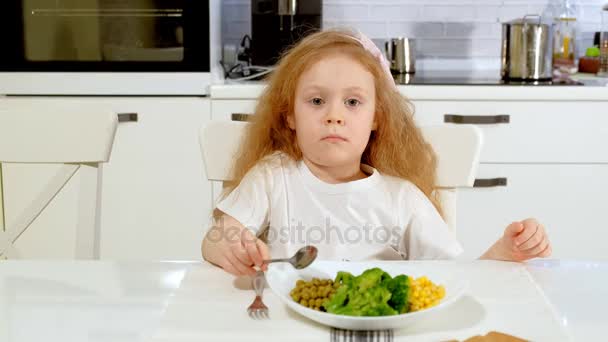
156, 199
568, 199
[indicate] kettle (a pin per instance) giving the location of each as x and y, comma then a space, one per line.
526, 50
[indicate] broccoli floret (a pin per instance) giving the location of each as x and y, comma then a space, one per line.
344, 278
373, 293
399, 287
367, 303
385, 278
369, 278
338, 300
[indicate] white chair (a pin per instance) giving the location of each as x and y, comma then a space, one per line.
77, 138
457, 148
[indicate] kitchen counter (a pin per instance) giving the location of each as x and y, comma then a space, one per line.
457, 87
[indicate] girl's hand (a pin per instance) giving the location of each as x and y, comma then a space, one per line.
521, 241
234, 248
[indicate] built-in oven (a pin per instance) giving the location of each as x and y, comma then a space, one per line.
108, 46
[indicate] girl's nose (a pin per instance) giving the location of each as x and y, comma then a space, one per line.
331, 120
334, 116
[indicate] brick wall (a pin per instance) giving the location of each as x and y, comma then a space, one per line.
450, 33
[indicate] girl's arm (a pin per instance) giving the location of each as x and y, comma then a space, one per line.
521, 241
233, 247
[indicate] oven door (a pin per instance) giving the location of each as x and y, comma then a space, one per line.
113, 41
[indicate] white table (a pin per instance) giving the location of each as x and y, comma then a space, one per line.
189, 301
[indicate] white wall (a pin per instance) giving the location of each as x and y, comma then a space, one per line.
461, 33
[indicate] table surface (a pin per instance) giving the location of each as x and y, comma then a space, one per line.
99, 301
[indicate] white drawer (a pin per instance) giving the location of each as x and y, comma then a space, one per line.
514, 131
530, 131
224, 109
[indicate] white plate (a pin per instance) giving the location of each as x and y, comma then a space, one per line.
282, 277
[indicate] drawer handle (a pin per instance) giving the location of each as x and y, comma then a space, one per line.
476, 119
127, 117
241, 117
490, 182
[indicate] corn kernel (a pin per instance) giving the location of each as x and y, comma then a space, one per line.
425, 293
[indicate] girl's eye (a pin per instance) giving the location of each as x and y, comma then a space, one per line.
353, 102
317, 101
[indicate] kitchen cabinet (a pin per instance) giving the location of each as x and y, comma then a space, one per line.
529, 131
567, 198
155, 198
544, 156
546, 159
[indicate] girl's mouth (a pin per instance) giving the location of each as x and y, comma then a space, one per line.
334, 138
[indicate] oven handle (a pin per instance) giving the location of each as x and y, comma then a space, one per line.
127, 12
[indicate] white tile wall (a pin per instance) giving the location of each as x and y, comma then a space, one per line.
450, 33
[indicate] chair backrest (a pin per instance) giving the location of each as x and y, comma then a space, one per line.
457, 148
79, 139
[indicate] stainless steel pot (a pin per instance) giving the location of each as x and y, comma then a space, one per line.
400, 53
526, 49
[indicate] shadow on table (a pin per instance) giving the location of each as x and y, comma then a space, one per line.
465, 313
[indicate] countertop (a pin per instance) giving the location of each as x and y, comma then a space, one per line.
595, 89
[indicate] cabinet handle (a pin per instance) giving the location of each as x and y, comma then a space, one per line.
490, 182
241, 117
127, 117
476, 119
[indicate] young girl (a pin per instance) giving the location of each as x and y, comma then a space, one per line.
334, 159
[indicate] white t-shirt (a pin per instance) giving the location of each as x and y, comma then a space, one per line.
378, 217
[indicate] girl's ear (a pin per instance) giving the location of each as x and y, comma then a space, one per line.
291, 122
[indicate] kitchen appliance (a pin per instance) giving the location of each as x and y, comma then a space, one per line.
108, 47
400, 53
278, 24
526, 50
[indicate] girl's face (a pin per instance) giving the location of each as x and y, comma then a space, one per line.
334, 111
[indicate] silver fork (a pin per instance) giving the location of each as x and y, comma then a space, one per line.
257, 309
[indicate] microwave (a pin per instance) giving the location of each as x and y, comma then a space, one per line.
109, 47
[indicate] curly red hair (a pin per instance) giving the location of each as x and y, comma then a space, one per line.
395, 148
